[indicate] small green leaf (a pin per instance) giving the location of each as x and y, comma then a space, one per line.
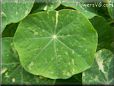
80, 5
15, 10
102, 70
111, 8
56, 44
12, 72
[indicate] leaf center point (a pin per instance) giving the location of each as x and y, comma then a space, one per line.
54, 36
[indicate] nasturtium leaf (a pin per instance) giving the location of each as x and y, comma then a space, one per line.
111, 8
12, 71
104, 31
56, 44
102, 70
48, 5
81, 5
15, 10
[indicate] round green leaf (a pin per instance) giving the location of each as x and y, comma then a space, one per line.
15, 10
102, 70
56, 44
11, 70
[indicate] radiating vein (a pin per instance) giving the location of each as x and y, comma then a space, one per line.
62, 29
56, 22
66, 45
67, 36
54, 45
42, 49
40, 38
55, 50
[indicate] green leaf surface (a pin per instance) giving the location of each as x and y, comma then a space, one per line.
102, 70
48, 5
12, 72
105, 35
111, 8
80, 5
56, 44
15, 10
